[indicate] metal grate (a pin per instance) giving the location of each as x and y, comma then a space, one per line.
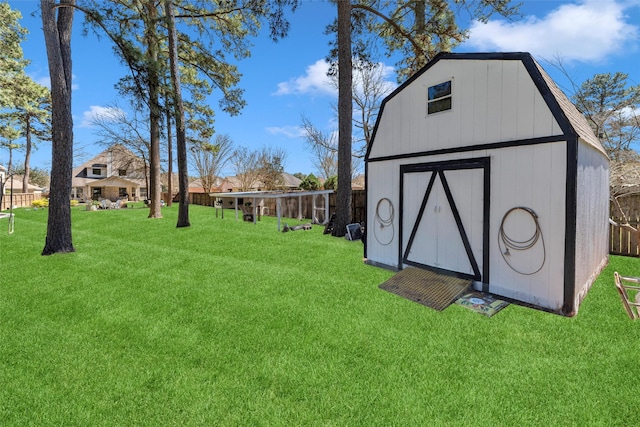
425, 287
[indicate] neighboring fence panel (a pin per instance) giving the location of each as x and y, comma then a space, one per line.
623, 241
19, 200
201, 199
630, 205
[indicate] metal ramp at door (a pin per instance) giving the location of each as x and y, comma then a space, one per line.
426, 287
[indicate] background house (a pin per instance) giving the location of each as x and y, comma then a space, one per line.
13, 195
14, 183
235, 183
480, 167
116, 173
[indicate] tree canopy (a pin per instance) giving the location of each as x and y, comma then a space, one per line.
12, 62
25, 106
209, 158
413, 31
612, 107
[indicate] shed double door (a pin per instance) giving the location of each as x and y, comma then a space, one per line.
443, 217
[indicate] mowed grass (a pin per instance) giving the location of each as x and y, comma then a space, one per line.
233, 324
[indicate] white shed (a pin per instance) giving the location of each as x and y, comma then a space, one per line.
480, 167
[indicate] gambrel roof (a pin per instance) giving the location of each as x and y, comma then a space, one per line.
571, 122
576, 119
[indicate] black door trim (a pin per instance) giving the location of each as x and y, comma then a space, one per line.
439, 169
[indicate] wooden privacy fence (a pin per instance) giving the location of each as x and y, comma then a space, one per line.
630, 205
19, 200
290, 205
623, 241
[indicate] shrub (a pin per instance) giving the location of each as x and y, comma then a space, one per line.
331, 183
74, 202
310, 183
40, 203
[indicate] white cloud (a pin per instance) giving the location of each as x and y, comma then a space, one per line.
587, 31
288, 131
314, 81
630, 112
97, 112
381, 76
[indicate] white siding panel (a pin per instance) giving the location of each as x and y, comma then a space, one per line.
591, 217
384, 130
510, 102
549, 180
532, 177
417, 137
383, 183
476, 130
525, 109
493, 93
459, 116
463, 108
545, 123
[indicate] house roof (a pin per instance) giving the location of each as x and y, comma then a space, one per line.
113, 181
571, 121
16, 182
289, 181
358, 182
117, 152
196, 186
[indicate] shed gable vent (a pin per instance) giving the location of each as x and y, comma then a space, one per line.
439, 97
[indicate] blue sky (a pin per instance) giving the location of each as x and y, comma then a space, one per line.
284, 80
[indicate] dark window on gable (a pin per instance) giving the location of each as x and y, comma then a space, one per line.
439, 98
122, 172
96, 171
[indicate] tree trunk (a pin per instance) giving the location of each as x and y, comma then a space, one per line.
27, 157
10, 164
420, 26
146, 173
153, 83
169, 157
345, 119
181, 143
57, 35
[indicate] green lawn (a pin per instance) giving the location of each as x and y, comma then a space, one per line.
230, 323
